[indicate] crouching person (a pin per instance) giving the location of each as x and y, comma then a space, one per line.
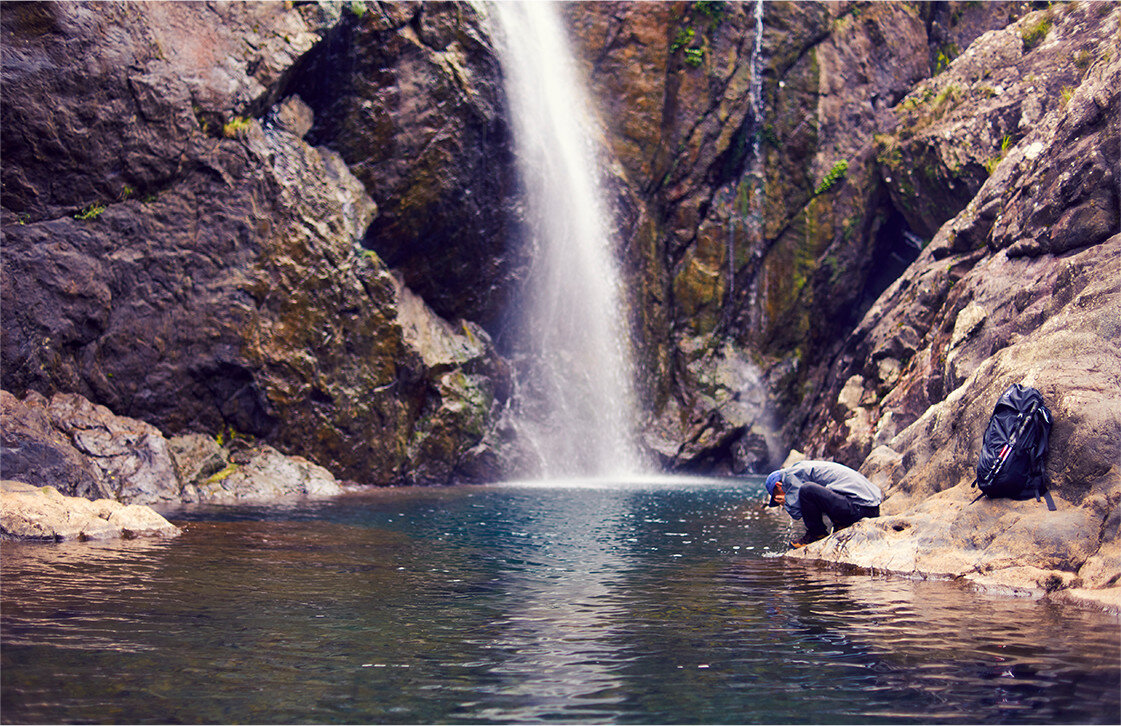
810, 489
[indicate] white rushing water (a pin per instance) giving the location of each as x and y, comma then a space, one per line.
577, 401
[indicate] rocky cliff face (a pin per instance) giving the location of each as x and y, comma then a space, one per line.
1010, 263
754, 190
175, 250
410, 95
931, 216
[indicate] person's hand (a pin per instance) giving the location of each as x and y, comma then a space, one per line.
778, 494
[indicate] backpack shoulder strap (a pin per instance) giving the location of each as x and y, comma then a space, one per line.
1042, 486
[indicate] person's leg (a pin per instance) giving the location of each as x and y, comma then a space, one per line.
816, 500
858, 512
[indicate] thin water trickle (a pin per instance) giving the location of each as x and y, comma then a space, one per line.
577, 394
757, 81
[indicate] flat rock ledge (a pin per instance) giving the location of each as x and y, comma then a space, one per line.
1016, 548
41, 513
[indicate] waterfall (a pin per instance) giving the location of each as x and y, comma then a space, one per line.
576, 397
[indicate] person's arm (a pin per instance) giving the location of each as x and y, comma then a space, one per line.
790, 486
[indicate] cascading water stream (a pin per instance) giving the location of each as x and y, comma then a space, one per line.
577, 397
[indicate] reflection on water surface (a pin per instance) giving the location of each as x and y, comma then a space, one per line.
653, 603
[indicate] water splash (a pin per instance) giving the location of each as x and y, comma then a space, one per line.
577, 399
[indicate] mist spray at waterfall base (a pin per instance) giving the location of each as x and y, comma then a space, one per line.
576, 405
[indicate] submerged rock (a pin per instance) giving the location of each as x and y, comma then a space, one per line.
42, 513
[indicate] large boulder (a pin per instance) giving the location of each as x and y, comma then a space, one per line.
35, 451
87, 452
84, 450
43, 514
410, 95
728, 425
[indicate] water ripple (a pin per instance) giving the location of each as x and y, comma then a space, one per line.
511, 604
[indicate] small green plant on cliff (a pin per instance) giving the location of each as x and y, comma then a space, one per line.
712, 9
1033, 34
684, 38
201, 117
835, 175
683, 41
950, 93
229, 434
1065, 96
236, 127
991, 164
841, 20
215, 478
357, 8
915, 101
946, 55
768, 136
90, 211
1082, 60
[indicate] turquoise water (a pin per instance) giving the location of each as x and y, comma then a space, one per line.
645, 603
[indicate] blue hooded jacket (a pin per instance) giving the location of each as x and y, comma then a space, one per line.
831, 475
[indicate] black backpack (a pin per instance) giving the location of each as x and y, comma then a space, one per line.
1014, 447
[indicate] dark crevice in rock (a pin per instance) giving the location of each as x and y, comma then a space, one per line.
730, 166
239, 401
896, 246
324, 75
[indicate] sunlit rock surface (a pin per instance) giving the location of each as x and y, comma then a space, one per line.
42, 513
